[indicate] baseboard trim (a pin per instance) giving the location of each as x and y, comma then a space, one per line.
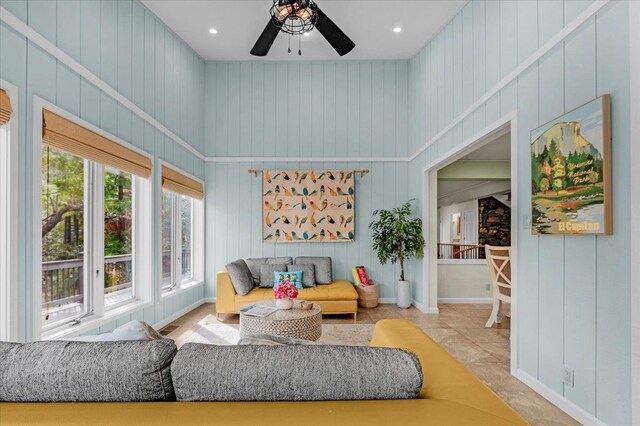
466, 300
209, 300
558, 400
387, 300
425, 310
176, 315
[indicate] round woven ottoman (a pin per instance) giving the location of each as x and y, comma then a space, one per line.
294, 322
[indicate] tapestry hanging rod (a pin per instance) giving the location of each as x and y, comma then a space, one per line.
362, 172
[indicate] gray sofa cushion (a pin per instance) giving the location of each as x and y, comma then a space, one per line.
271, 340
308, 274
254, 267
322, 265
55, 371
256, 373
267, 278
240, 277
280, 260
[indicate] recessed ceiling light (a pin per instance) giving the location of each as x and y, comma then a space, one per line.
213, 31
308, 33
397, 29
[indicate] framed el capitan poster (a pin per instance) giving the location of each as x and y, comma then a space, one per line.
571, 172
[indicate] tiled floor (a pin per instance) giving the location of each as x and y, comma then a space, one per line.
459, 329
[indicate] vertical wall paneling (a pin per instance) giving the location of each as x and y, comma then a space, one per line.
123, 44
570, 289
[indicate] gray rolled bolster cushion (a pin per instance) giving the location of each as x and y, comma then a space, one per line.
294, 373
54, 371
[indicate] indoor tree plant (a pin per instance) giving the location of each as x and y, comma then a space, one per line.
397, 238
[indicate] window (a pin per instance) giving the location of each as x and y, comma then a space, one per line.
91, 223
177, 237
181, 210
8, 219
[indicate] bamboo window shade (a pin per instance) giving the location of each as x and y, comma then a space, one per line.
177, 182
60, 133
5, 108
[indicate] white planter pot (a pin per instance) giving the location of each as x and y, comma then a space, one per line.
404, 295
284, 303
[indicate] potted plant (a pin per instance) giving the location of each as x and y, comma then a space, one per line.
397, 238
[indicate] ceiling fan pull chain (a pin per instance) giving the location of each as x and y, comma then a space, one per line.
300, 45
289, 43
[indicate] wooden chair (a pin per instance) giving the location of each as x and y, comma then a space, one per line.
499, 262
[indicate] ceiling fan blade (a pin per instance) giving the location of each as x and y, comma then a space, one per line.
266, 39
334, 35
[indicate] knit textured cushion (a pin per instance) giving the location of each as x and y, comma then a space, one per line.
257, 373
322, 266
266, 274
240, 275
55, 371
308, 274
254, 267
280, 260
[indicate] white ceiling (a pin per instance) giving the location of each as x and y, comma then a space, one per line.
368, 23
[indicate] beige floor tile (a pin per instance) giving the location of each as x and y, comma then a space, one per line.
484, 335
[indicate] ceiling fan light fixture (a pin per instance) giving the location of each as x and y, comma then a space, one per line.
294, 17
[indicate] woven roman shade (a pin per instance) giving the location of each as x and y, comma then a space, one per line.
181, 184
60, 133
5, 108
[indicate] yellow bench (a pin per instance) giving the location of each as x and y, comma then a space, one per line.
339, 297
451, 395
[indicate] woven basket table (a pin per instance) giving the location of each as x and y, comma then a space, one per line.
294, 322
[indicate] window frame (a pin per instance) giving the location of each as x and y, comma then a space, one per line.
95, 314
9, 220
197, 237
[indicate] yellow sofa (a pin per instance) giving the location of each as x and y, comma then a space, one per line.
339, 297
451, 395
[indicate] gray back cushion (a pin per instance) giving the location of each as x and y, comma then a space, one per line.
267, 278
308, 274
55, 371
211, 373
254, 267
322, 265
240, 277
280, 260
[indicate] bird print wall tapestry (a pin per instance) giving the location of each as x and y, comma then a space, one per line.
571, 172
308, 206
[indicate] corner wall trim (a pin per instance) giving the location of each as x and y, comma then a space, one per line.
634, 111
558, 400
307, 159
40, 41
176, 315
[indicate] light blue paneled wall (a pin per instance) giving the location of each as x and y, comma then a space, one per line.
306, 109
573, 292
234, 219
348, 109
130, 49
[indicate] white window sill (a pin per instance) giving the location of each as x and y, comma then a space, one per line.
93, 322
181, 289
462, 261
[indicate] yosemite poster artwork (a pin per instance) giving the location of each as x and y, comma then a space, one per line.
571, 174
308, 206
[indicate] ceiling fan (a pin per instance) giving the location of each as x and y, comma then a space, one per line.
297, 17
